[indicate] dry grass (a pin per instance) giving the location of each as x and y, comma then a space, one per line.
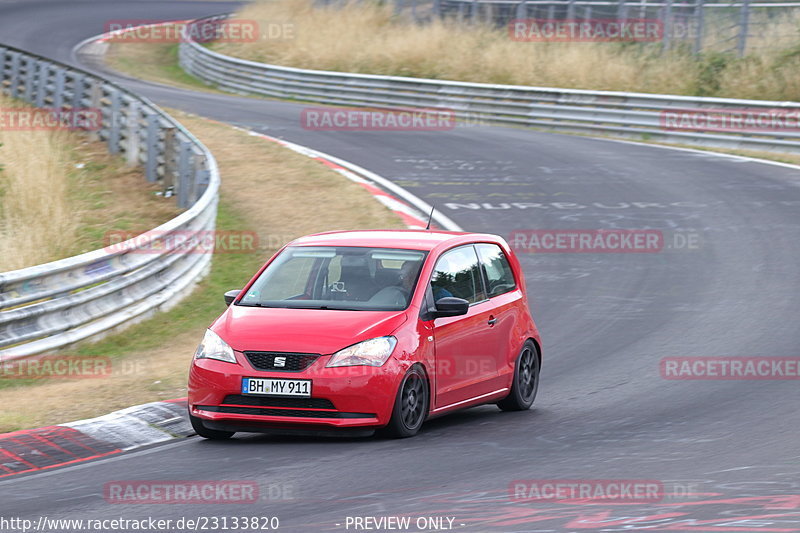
368, 38
37, 222
111, 196
285, 194
265, 188
59, 194
158, 374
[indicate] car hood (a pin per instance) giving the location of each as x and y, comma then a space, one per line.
323, 331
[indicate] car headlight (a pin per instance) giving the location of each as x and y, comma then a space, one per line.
213, 347
373, 352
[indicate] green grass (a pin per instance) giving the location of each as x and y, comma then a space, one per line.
197, 311
157, 62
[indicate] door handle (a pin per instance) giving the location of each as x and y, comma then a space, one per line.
492, 321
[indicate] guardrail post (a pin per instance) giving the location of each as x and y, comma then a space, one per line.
77, 91
522, 10
437, 9
30, 80
132, 141
202, 177
3, 52
667, 17
197, 175
184, 173
151, 163
170, 158
14, 88
621, 10
58, 93
488, 13
114, 116
473, 12
699, 17
95, 101
570, 9
744, 19
41, 82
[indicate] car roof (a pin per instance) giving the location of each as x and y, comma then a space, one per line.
404, 239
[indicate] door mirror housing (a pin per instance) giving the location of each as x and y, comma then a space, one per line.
230, 296
450, 306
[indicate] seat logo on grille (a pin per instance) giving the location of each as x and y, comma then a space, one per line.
279, 362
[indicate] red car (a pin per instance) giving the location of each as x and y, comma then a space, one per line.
368, 330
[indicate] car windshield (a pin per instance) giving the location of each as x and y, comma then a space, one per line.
338, 277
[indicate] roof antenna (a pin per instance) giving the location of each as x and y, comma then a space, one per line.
430, 217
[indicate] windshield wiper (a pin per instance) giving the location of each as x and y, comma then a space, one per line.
325, 307
321, 307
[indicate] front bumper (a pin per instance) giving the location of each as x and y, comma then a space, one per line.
344, 397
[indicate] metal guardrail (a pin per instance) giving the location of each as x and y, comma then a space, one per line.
701, 25
53, 305
636, 115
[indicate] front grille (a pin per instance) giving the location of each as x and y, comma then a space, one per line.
263, 401
295, 413
293, 362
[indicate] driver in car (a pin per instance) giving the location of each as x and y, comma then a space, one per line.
399, 294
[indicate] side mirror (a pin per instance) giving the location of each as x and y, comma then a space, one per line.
230, 296
451, 306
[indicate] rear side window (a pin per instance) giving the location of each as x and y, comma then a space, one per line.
499, 276
457, 274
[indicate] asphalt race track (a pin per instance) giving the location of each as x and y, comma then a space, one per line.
725, 284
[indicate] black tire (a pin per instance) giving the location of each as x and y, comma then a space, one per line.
213, 434
526, 380
410, 405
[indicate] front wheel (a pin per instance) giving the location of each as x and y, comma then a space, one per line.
213, 434
526, 380
410, 405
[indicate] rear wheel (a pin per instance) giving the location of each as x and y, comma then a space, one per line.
214, 434
410, 405
526, 380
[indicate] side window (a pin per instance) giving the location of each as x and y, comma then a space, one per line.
457, 274
499, 276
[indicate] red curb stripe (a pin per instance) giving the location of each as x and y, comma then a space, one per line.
17, 458
407, 219
53, 444
62, 464
43, 446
